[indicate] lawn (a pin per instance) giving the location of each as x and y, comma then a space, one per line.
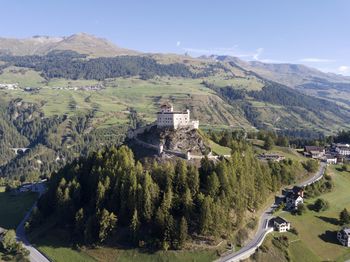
14, 207
218, 149
54, 245
297, 250
318, 230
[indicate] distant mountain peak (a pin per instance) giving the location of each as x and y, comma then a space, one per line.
83, 43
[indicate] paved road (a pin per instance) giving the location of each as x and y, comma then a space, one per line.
35, 255
263, 228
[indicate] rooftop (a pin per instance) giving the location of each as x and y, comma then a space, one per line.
346, 230
313, 148
280, 220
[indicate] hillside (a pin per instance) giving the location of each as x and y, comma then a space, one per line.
305, 79
65, 100
81, 43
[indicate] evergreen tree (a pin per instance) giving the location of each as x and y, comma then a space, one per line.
183, 232
344, 217
107, 222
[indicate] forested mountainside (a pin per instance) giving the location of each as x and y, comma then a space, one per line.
52, 141
67, 103
109, 197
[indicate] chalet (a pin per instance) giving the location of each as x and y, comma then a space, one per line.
280, 224
314, 152
342, 149
294, 197
331, 159
344, 237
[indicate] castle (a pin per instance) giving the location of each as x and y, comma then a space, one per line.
168, 118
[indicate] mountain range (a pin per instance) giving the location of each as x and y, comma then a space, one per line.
79, 92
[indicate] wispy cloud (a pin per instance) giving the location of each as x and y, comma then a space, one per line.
178, 43
344, 70
231, 51
258, 53
316, 60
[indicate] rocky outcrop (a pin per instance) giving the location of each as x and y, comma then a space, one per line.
180, 140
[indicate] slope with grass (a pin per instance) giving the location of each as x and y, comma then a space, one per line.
318, 231
14, 207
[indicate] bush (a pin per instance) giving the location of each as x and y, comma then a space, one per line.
321, 205
241, 237
294, 231
344, 217
345, 168
301, 209
311, 165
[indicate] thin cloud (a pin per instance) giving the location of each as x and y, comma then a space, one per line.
316, 60
258, 53
344, 70
230, 51
178, 43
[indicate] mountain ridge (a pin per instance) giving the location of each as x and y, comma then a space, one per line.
81, 42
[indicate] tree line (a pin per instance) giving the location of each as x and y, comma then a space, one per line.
71, 65
109, 195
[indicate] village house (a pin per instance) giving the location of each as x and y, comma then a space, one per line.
314, 152
281, 225
294, 197
344, 237
168, 118
330, 159
342, 149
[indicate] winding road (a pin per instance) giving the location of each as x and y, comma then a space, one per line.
263, 226
34, 255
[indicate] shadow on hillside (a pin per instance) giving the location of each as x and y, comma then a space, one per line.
329, 237
330, 220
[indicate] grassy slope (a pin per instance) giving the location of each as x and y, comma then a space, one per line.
56, 246
144, 96
14, 207
318, 230
297, 250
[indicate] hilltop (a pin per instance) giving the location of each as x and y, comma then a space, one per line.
82, 43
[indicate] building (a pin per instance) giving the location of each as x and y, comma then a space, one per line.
331, 159
294, 197
280, 224
168, 118
344, 237
342, 149
315, 152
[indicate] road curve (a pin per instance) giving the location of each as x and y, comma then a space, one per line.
263, 228
35, 255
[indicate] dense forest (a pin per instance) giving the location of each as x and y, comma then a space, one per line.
111, 197
71, 65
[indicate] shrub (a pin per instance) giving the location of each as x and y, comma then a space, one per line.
294, 231
301, 209
321, 205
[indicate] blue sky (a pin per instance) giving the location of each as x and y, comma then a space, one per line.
311, 32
